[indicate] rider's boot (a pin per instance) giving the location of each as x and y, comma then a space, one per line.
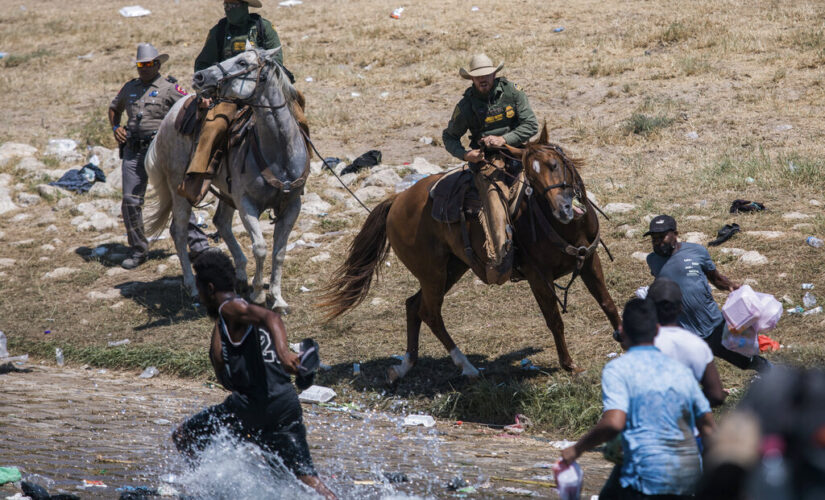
207, 157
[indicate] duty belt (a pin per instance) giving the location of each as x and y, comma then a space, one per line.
136, 143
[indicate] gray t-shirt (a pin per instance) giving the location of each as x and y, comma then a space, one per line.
687, 267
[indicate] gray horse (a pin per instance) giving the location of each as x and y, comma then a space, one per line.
255, 78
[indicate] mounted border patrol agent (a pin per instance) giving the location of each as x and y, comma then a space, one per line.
146, 100
233, 34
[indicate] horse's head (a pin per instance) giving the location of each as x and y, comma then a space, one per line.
237, 78
552, 174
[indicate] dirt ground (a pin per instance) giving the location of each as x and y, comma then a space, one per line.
677, 107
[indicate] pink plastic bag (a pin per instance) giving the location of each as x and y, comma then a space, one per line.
569, 479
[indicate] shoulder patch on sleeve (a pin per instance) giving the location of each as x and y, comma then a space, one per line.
180, 90
171, 79
517, 86
456, 113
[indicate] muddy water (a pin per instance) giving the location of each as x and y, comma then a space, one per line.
63, 425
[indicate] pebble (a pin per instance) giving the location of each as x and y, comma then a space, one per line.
640, 256
753, 258
768, 235
60, 272
795, 216
618, 208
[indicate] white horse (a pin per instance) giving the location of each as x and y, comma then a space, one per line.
255, 78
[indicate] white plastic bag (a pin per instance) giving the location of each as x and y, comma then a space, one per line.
569, 479
745, 343
741, 310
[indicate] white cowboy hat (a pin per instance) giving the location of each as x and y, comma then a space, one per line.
480, 65
146, 52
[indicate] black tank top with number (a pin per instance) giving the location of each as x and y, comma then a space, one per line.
252, 370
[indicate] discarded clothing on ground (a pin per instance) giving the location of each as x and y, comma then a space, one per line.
80, 180
767, 344
369, 159
746, 206
724, 234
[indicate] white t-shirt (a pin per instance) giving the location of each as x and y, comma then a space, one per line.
685, 347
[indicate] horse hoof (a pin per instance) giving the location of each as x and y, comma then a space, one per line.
573, 368
392, 377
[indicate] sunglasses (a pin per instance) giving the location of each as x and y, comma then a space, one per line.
147, 64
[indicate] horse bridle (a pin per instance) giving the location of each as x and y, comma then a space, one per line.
260, 77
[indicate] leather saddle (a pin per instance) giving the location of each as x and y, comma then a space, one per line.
453, 193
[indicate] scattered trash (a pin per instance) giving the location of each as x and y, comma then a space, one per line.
308, 79
750, 180
91, 483
426, 140
384, 95
783, 127
9, 475
546, 484
746, 205
134, 11
58, 356
304, 289
795, 310
149, 372
815, 310
317, 394
747, 314
767, 344
807, 286
413, 420
86, 57
80, 180
161, 421
356, 369
519, 491
569, 479
34, 490
408, 181
792, 167
355, 94
466, 489
474, 8
295, 347
302, 244
118, 343
559, 29
521, 424
692, 136
4, 353
290, 3
3, 54
815, 242
527, 364
560, 445
809, 300
641, 292
612, 355
456, 483
724, 234
369, 159
396, 477
396, 14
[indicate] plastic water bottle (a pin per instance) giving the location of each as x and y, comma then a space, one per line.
396, 14
809, 300
58, 356
814, 242
3, 352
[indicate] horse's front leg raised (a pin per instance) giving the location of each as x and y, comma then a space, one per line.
223, 221
283, 227
249, 216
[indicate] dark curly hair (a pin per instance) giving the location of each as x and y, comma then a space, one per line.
216, 268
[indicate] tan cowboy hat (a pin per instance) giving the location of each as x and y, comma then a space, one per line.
253, 3
480, 65
146, 52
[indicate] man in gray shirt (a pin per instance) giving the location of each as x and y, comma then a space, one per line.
690, 266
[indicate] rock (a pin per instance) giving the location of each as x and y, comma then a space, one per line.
173, 261
784, 127
795, 216
697, 218
27, 199
48, 192
110, 294
592, 197
64, 150
815, 203
647, 218
316, 167
5, 180
370, 193
753, 258
11, 150
768, 235
692, 135
21, 217
804, 226
31, 165
336, 195
60, 272
50, 229
618, 208
422, 166
640, 256
733, 251
22, 243
384, 178
114, 271
103, 190
694, 237
65, 204
5, 262
47, 247
321, 257
162, 268
632, 233
312, 204
108, 158
99, 221
115, 180
6, 205
377, 301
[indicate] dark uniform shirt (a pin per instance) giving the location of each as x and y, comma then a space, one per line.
234, 42
505, 111
146, 104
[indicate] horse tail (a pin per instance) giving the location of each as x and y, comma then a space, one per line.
351, 282
160, 208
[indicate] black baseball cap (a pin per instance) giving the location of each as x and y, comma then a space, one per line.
661, 224
665, 290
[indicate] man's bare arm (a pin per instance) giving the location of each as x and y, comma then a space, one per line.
712, 385
238, 311
608, 427
721, 281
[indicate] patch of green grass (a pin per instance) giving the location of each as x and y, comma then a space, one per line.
694, 66
14, 60
181, 362
329, 225
783, 171
94, 130
676, 32
566, 406
642, 124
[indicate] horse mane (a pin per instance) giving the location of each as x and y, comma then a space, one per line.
287, 89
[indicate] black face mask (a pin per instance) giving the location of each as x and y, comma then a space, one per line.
236, 13
664, 249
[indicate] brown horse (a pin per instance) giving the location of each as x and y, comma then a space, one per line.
551, 241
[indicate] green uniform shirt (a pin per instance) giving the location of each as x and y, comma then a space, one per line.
234, 42
146, 104
505, 112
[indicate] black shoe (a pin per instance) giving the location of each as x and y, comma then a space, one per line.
724, 234
133, 261
760, 364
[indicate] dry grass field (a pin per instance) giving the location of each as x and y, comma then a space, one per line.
678, 107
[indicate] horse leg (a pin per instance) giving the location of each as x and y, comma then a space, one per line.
283, 227
223, 221
249, 216
593, 278
181, 211
546, 299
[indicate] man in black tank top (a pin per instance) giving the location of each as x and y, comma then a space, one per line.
251, 358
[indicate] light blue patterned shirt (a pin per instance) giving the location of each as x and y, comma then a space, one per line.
662, 401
